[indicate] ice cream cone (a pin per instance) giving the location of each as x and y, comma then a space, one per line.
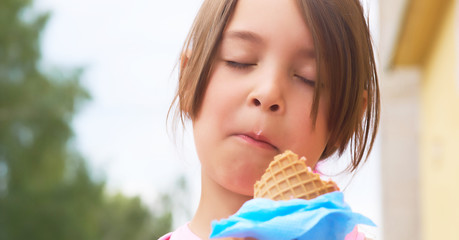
288, 177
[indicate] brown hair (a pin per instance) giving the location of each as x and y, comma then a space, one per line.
345, 66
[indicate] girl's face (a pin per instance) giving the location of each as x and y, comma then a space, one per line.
259, 97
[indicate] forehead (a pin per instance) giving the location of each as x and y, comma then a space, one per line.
272, 23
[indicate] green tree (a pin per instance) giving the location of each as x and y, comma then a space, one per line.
46, 191
163, 219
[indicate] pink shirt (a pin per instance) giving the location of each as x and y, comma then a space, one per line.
181, 233
184, 233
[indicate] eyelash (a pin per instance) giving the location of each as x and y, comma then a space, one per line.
307, 81
238, 65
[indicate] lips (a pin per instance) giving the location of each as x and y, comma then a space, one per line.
257, 140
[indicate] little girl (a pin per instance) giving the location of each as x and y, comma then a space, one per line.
259, 77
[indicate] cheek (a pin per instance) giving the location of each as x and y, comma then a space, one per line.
217, 111
215, 100
309, 140
225, 94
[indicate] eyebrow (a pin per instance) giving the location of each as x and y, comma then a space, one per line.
308, 53
255, 38
244, 35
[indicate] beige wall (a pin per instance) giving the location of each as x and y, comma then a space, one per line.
400, 95
399, 155
420, 121
439, 144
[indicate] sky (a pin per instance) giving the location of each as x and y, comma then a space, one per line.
129, 50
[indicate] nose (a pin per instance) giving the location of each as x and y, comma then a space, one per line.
267, 95
271, 107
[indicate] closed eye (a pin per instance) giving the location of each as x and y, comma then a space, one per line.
312, 83
239, 65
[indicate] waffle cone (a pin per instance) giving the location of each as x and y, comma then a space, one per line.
288, 177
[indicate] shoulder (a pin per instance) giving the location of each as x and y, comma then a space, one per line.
360, 233
181, 233
166, 237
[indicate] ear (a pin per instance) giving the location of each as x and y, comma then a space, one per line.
362, 111
365, 104
184, 59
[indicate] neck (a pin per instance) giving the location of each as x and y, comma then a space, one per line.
216, 203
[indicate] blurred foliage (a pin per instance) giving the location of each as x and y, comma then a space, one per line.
163, 219
46, 190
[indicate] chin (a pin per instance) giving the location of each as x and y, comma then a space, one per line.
246, 192
244, 188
